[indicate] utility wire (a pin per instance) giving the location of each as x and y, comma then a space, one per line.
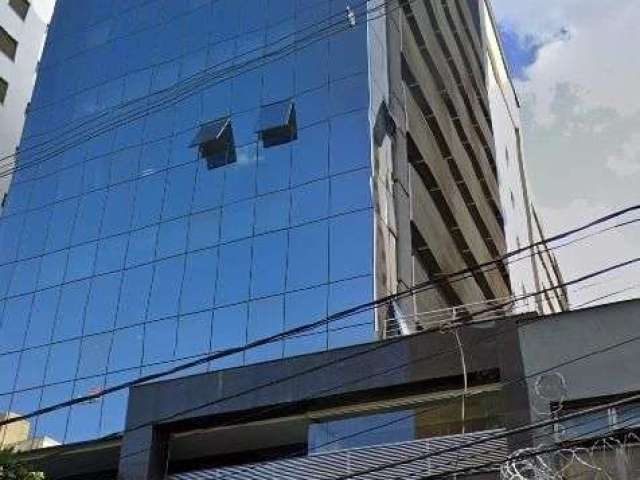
230, 73
333, 318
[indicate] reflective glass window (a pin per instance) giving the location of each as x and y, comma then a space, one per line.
269, 264
355, 328
61, 225
111, 254
272, 212
274, 167
9, 368
84, 418
43, 316
24, 278
348, 51
114, 405
208, 188
73, 299
350, 191
71, 178
179, 191
194, 334
308, 261
351, 245
311, 155
266, 318
81, 261
149, 195
349, 94
137, 84
14, 322
204, 229
31, 369
172, 238
126, 350
6, 273
233, 273
312, 107
124, 165
246, 90
349, 146
96, 174
310, 202
94, 353
52, 269
199, 281
240, 177
119, 207
302, 308
136, 285
154, 157
9, 237
142, 246
312, 62
63, 360
25, 402
277, 81
34, 233
230, 327
182, 149
89, 216
159, 341
158, 125
103, 302
54, 424
165, 289
237, 221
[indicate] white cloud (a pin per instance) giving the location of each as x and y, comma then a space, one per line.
581, 115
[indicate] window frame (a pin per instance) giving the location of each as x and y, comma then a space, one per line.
4, 34
20, 7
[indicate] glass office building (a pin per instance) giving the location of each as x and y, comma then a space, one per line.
198, 174
127, 252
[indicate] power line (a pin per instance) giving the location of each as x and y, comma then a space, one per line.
333, 318
376, 346
190, 90
507, 433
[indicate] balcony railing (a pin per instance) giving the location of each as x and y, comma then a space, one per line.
326, 466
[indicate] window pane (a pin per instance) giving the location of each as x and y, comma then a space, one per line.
84, 418
136, 285
351, 245
117, 217
269, 264
54, 424
89, 216
43, 315
9, 368
308, 256
310, 202
63, 359
349, 94
274, 166
230, 327
194, 334
350, 191
266, 318
52, 269
111, 254
208, 188
103, 301
24, 277
172, 238
165, 290
81, 261
350, 146
159, 341
61, 225
142, 246
199, 281
94, 353
272, 212
114, 405
179, 191
204, 229
73, 299
149, 194
126, 350
237, 221
311, 155
14, 323
233, 273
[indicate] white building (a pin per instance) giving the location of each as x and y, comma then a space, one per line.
23, 28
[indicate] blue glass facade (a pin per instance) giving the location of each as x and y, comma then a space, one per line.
124, 254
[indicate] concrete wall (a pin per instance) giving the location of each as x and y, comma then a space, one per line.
607, 369
20, 74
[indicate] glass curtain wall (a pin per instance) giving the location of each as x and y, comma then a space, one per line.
124, 253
